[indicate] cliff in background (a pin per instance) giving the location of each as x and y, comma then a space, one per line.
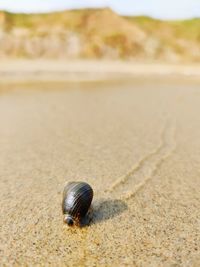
98, 33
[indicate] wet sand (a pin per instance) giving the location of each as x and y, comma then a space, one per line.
137, 143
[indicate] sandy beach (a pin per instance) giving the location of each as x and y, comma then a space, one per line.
43, 70
136, 142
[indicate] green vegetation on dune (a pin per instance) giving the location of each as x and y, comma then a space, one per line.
98, 33
32, 21
188, 29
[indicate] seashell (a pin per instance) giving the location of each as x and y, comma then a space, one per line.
77, 199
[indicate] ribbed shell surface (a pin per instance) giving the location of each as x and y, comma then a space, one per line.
77, 198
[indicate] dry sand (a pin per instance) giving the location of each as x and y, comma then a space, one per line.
62, 70
137, 143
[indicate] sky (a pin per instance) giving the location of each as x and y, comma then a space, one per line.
163, 9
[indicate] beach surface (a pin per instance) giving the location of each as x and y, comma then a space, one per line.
136, 142
43, 70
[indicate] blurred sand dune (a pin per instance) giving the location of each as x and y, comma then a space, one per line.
100, 34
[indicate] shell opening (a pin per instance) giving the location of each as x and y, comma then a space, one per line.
68, 220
